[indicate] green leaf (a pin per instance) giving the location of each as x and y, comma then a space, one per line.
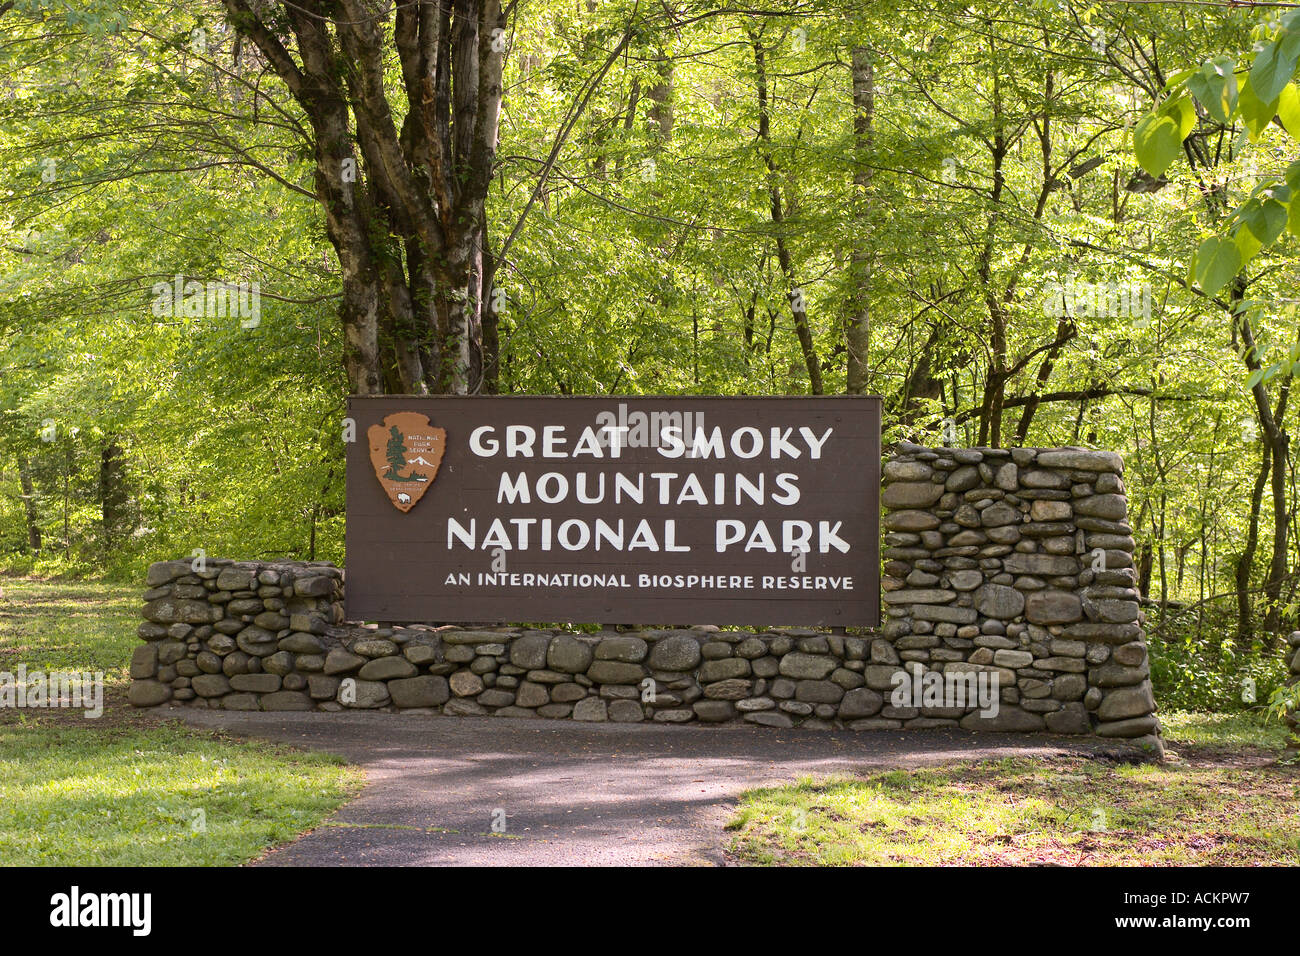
1246, 243
1293, 176
1217, 261
1279, 191
1275, 64
1254, 112
1159, 135
1185, 113
1293, 219
1265, 218
1253, 378
1288, 109
1215, 86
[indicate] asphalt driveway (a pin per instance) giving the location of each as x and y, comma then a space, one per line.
499, 792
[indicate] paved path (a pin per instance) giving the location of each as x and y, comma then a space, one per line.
573, 793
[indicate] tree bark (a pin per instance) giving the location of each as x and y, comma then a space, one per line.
404, 209
112, 491
660, 114
995, 381
1275, 437
1064, 332
857, 331
1245, 563
798, 303
491, 321
1146, 555
29, 505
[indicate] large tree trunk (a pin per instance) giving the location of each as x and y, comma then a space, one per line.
491, 321
404, 209
1146, 554
857, 331
660, 115
995, 381
1277, 567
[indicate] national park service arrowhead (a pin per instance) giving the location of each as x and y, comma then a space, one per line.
406, 450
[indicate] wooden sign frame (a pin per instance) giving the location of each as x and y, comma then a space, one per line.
614, 510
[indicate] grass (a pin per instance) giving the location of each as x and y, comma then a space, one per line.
158, 796
78, 626
1228, 731
1029, 812
1223, 800
127, 789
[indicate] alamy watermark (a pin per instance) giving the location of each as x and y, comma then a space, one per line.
1078, 297
74, 909
209, 300
70, 690
654, 429
967, 689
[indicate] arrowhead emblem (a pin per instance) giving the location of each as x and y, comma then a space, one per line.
406, 450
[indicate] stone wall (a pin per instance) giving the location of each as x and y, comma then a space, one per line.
250, 636
1020, 562
991, 568
242, 635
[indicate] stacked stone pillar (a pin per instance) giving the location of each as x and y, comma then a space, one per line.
1020, 562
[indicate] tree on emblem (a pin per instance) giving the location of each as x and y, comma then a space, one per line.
396, 456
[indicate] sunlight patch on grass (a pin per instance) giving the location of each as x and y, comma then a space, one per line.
124, 790
1018, 811
164, 796
1234, 730
76, 626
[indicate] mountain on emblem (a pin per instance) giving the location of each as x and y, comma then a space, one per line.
406, 450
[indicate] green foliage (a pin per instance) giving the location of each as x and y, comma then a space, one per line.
1201, 667
984, 228
1159, 136
142, 433
1257, 93
1275, 60
1216, 262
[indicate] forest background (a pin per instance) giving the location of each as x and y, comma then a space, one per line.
938, 203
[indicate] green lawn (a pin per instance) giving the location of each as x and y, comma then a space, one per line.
127, 789
1226, 731
76, 626
158, 796
1222, 800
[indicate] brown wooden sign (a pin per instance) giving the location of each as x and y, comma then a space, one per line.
614, 510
